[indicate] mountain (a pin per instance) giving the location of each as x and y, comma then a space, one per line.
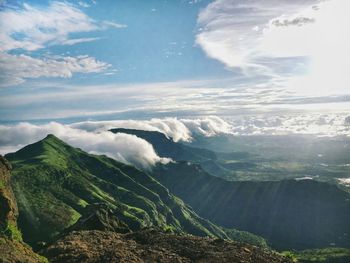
289, 214
166, 147
12, 248
55, 183
152, 245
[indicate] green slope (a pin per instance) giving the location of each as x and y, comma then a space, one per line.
53, 182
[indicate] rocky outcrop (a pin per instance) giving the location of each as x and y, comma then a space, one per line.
99, 216
8, 206
152, 245
12, 248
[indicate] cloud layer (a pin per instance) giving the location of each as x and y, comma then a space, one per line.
94, 137
177, 129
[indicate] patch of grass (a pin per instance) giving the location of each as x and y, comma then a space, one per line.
2, 184
290, 255
325, 255
11, 231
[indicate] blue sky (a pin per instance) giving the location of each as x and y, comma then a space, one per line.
119, 59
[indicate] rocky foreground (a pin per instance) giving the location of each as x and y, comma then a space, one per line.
153, 246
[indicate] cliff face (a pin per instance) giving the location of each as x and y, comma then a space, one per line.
12, 249
8, 205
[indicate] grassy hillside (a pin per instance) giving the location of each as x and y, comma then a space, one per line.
54, 182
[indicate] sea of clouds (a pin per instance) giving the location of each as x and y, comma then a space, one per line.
94, 136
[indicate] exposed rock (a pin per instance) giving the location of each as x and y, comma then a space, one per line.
99, 216
153, 246
8, 206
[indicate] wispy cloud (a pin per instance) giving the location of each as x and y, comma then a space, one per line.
16, 68
32, 28
181, 98
260, 37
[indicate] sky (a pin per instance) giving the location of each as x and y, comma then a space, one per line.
68, 60
273, 66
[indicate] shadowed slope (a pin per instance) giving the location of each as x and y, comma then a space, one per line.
289, 214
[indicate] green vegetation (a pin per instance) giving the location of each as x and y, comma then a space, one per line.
324, 255
11, 231
2, 184
289, 214
247, 237
53, 183
290, 255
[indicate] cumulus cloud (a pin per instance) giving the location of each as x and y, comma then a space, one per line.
16, 68
122, 147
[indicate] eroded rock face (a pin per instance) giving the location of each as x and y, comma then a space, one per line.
153, 246
8, 206
12, 249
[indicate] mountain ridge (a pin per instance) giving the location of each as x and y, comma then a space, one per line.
54, 182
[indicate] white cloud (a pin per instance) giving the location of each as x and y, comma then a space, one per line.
255, 36
230, 30
122, 147
107, 24
32, 28
344, 181
177, 129
16, 68
331, 124
83, 4
94, 137
79, 40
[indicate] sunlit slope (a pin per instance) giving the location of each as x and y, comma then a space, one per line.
289, 214
53, 182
